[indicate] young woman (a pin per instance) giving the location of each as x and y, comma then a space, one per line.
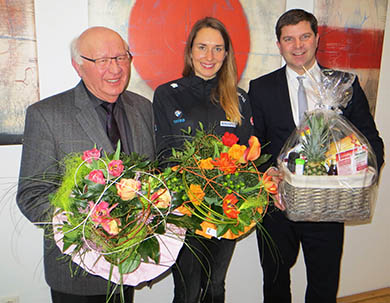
207, 93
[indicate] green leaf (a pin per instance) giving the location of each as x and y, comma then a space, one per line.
130, 264
212, 200
118, 151
150, 248
184, 221
240, 227
245, 218
160, 229
70, 237
95, 187
216, 150
249, 189
252, 202
235, 229
222, 229
262, 159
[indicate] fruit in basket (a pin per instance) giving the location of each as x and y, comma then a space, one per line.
315, 145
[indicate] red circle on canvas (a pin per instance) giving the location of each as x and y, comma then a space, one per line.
158, 31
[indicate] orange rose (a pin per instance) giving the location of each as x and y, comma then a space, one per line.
196, 194
127, 188
185, 210
113, 227
237, 151
206, 164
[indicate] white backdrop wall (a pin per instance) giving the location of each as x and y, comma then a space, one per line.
366, 261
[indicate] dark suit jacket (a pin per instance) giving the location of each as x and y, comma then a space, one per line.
55, 127
273, 118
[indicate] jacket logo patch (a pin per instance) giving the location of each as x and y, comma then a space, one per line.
178, 113
174, 85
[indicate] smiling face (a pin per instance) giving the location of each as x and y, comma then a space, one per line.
298, 45
208, 53
108, 83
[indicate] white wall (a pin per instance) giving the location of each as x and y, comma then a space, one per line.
366, 261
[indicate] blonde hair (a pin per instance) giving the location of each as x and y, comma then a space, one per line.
226, 91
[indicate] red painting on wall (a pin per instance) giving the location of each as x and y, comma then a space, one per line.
351, 39
167, 24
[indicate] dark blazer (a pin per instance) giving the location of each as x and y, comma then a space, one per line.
273, 118
55, 127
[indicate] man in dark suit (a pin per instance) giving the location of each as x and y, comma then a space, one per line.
274, 100
75, 121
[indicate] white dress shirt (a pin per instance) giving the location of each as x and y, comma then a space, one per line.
292, 81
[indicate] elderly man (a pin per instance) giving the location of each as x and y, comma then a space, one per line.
275, 105
75, 121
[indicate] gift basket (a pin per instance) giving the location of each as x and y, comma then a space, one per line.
329, 168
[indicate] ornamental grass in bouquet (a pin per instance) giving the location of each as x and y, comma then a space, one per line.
329, 167
114, 217
217, 184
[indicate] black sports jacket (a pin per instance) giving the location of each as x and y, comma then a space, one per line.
185, 102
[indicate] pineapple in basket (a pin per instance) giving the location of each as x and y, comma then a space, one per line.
315, 145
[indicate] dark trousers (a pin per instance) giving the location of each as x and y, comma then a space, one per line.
59, 297
322, 245
200, 270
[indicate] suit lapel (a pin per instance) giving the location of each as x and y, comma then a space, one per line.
89, 120
133, 118
283, 99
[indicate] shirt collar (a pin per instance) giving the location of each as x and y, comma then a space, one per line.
314, 71
95, 99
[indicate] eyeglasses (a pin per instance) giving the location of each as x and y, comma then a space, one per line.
105, 62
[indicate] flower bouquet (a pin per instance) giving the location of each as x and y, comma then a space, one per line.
217, 184
114, 217
329, 167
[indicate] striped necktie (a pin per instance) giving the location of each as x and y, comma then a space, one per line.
302, 99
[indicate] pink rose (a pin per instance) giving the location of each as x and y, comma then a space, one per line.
115, 168
100, 212
101, 215
92, 154
161, 198
127, 188
97, 176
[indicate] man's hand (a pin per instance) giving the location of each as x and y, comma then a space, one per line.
276, 177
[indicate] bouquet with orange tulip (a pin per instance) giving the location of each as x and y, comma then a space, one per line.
114, 217
216, 182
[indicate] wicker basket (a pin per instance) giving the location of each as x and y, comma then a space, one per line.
328, 198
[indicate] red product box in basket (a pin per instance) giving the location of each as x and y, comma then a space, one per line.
352, 161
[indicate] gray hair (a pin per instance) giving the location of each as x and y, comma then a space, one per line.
75, 49
75, 52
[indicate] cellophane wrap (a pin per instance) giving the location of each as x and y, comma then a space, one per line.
329, 168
